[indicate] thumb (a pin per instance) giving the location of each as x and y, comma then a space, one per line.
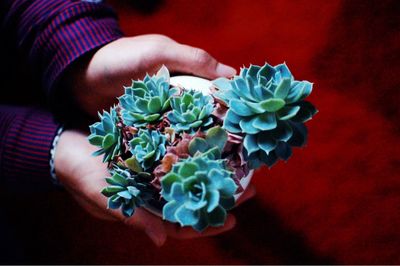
196, 61
152, 225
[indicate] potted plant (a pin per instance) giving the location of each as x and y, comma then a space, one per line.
186, 148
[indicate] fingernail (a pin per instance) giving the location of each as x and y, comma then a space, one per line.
225, 71
232, 222
157, 239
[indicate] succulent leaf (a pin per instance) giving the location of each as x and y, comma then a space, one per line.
212, 145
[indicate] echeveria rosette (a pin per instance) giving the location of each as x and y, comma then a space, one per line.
199, 191
106, 135
146, 101
190, 111
127, 191
148, 147
267, 105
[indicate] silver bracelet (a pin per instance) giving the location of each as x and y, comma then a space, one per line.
53, 175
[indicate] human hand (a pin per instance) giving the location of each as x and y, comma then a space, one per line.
83, 176
98, 80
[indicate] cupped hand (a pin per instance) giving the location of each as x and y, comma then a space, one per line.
83, 176
97, 81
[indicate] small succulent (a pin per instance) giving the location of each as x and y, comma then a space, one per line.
198, 190
267, 105
190, 111
211, 145
148, 147
106, 135
127, 191
146, 101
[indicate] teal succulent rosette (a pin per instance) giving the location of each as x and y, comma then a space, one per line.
199, 190
191, 111
148, 147
184, 153
106, 135
127, 190
267, 106
145, 101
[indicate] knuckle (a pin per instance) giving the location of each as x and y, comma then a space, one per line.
160, 38
200, 56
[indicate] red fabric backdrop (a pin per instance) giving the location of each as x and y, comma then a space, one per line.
335, 201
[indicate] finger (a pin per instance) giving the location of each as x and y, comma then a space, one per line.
188, 59
152, 225
93, 209
176, 231
247, 194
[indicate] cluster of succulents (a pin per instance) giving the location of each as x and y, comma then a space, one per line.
188, 151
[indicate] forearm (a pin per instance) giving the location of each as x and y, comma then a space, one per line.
26, 137
50, 35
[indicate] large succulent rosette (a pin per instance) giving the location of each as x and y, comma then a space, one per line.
185, 153
266, 106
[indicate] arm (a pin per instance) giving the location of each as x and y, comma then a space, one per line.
50, 35
53, 37
26, 137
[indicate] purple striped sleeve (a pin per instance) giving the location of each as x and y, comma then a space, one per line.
26, 136
52, 34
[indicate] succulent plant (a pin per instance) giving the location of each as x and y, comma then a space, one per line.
190, 111
211, 145
148, 147
267, 106
127, 191
198, 190
106, 135
146, 101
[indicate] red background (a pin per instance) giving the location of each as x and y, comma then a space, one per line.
335, 201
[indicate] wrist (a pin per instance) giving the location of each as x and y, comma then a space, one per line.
69, 154
53, 148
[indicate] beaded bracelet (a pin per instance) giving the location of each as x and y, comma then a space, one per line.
53, 175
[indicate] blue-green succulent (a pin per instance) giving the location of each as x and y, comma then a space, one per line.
198, 190
106, 135
211, 145
127, 191
266, 104
148, 147
146, 101
190, 111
